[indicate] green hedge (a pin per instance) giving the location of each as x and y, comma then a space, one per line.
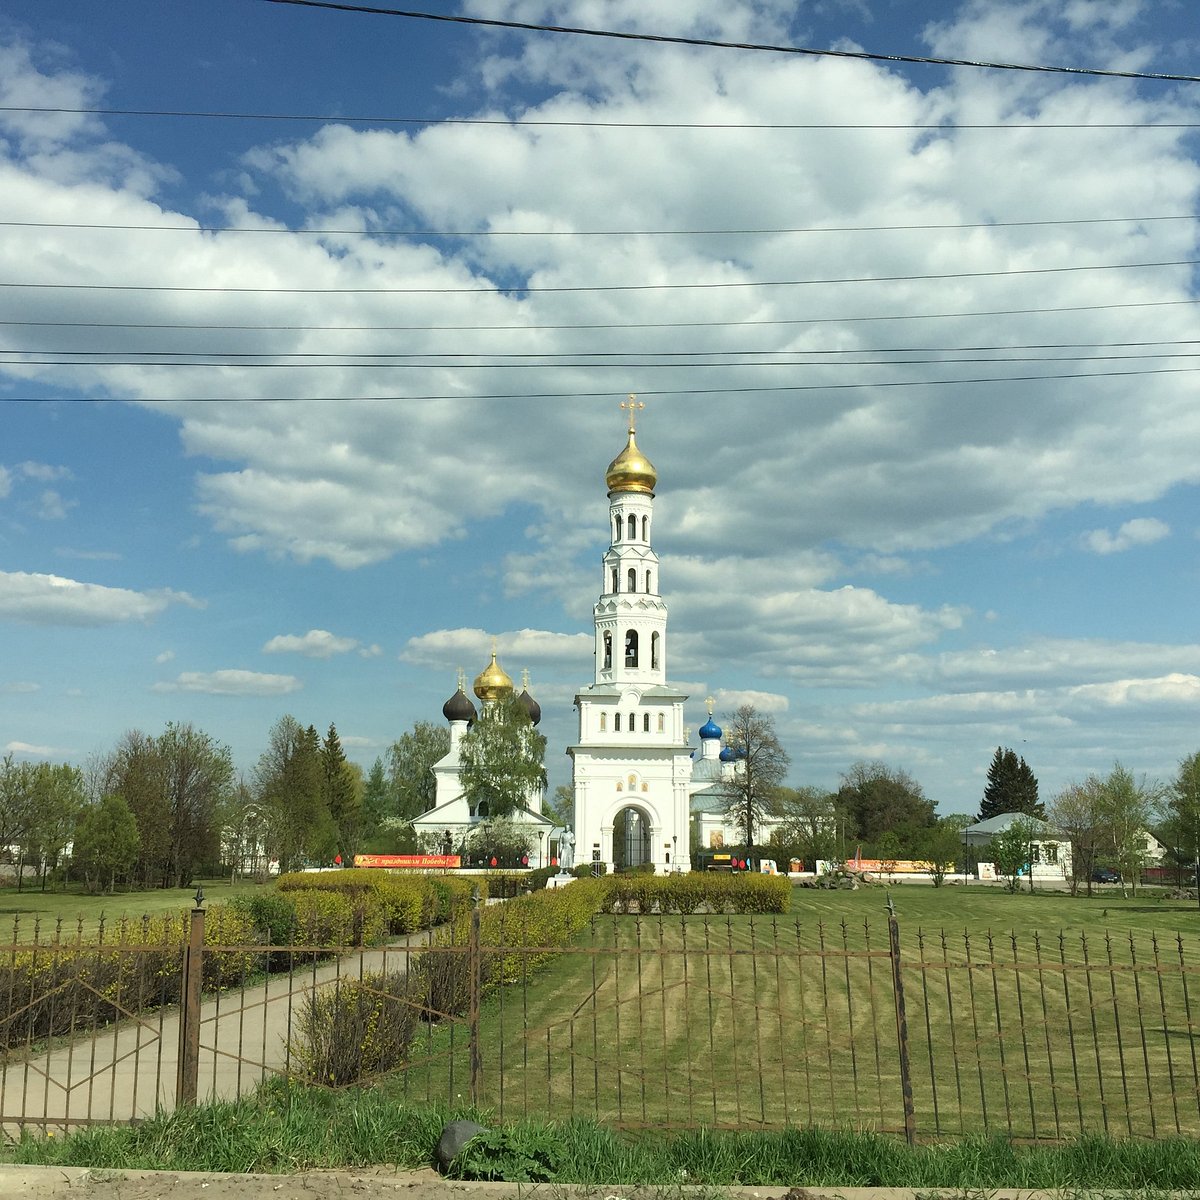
689, 892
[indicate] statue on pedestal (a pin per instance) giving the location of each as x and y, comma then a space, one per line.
566, 850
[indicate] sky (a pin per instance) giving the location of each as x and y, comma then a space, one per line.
300, 414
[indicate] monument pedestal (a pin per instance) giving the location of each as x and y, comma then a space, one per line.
560, 880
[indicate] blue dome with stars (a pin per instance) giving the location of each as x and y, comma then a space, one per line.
710, 729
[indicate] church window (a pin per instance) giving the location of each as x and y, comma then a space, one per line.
645, 527
614, 581
662, 723
607, 650
648, 587
632, 580
633, 722
654, 651
631, 648
619, 526
604, 722
645, 722
617, 722
632, 527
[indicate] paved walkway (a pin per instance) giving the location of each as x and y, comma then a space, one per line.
128, 1070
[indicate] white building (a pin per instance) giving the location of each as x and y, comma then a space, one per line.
633, 770
452, 817
1051, 850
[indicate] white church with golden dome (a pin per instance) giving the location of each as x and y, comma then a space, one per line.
636, 780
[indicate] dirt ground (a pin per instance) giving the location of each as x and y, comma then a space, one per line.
75, 1183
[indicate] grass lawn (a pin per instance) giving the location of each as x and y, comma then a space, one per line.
21, 909
1036, 1017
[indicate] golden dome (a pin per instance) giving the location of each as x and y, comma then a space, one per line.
493, 683
631, 471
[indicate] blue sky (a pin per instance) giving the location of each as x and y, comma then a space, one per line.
893, 560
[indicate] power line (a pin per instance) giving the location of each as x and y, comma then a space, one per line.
590, 233
732, 323
525, 395
571, 288
712, 43
553, 357
345, 119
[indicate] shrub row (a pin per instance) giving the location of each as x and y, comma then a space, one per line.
66, 986
690, 892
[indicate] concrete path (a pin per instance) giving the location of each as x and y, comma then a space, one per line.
128, 1070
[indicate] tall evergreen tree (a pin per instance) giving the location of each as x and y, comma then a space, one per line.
342, 794
1011, 787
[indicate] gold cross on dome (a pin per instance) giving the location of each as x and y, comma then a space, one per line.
525, 678
710, 702
634, 405
462, 679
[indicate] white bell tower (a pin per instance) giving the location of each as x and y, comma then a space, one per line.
632, 763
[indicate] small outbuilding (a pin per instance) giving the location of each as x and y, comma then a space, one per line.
1051, 857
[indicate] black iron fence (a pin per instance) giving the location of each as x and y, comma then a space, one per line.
646, 1021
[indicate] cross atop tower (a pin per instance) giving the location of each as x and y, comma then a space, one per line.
525, 678
634, 405
710, 702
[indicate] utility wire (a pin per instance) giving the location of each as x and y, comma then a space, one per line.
525, 396
732, 323
536, 122
590, 233
551, 358
712, 43
497, 289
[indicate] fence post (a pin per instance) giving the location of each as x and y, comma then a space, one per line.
475, 986
187, 1071
910, 1119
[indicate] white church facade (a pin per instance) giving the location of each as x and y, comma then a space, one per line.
640, 791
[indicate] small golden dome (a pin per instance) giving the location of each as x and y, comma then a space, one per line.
631, 471
493, 683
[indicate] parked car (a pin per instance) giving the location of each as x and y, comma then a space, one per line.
1106, 875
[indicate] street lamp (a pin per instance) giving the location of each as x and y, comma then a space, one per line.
541, 835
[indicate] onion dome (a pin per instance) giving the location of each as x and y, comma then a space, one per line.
493, 683
631, 470
530, 705
459, 707
710, 729
729, 754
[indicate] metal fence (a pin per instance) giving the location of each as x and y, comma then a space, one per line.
646, 1021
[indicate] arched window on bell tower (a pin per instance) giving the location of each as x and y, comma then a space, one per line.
631, 648
654, 652
645, 529
632, 527
619, 524
649, 578
632, 579
614, 579
607, 650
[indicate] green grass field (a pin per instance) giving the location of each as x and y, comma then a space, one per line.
76, 908
1032, 1017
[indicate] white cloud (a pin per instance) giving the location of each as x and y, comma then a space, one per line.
232, 683
44, 472
31, 751
165, 657
448, 649
19, 688
1141, 531
36, 599
52, 506
374, 650
765, 702
316, 643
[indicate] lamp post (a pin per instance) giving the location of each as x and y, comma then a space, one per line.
541, 860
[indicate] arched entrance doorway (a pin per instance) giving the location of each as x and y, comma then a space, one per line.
631, 838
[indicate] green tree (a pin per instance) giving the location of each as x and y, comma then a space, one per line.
342, 794
941, 846
1077, 813
134, 771
810, 825
106, 841
198, 775
1011, 787
1128, 807
877, 799
1012, 850
289, 790
561, 808
1183, 803
760, 765
58, 798
410, 770
502, 757
18, 808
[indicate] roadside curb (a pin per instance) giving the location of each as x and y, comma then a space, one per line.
85, 1183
